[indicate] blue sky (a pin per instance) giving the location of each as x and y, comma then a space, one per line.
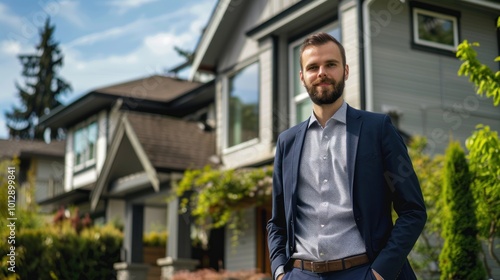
103, 42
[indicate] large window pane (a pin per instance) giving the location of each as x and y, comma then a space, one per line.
243, 122
92, 139
79, 146
84, 144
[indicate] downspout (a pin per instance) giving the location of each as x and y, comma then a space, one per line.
367, 56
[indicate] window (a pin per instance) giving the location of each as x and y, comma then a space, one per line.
85, 145
243, 122
301, 106
434, 28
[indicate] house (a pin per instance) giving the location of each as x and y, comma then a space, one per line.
39, 176
125, 145
402, 62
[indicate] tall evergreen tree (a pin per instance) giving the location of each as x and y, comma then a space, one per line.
459, 258
42, 87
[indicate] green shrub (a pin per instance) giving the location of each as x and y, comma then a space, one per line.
155, 239
459, 257
58, 252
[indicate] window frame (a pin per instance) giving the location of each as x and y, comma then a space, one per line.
226, 98
87, 162
439, 13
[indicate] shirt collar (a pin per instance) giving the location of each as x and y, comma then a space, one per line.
339, 116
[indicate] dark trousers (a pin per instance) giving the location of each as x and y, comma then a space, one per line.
362, 272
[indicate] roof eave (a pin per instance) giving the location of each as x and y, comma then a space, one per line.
211, 35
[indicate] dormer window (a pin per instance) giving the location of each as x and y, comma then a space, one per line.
85, 141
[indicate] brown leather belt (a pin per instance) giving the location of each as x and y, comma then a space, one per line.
330, 266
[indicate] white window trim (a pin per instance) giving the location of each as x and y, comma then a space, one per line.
416, 11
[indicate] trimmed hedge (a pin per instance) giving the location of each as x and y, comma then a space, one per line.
58, 252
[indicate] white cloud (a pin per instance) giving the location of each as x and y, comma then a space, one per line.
4, 133
163, 43
71, 11
7, 17
122, 6
90, 39
153, 56
10, 47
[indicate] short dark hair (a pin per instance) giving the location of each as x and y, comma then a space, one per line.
318, 39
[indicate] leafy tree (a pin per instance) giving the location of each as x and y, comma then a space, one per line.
42, 90
486, 81
484, 147
459, 257
484, 161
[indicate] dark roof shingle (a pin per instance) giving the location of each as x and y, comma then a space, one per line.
171, 143
156, 87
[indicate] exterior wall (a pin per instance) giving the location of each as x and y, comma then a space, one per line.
115, 211
155, 218
49, 175
424, 86
348, 12
239, 53
242, 256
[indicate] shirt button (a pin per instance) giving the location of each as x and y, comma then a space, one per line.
325, 181
326, 137
322, 225
324, 157
321, 254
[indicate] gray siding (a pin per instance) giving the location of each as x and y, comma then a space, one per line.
242, 256
424, 86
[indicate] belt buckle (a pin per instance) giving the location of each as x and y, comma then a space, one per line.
312, 266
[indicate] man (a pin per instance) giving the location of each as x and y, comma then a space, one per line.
336, 178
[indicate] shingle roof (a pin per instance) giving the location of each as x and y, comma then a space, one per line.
172, 143
21, 148
156, 87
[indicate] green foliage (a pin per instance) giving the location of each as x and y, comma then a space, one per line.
459, 257
216, 197
58, 252
484, 160
429, 172
487, 82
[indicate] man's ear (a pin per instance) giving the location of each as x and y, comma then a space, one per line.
346, 72
302, 78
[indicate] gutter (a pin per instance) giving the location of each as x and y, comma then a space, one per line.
367, 56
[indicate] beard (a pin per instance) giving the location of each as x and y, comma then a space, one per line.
321, 96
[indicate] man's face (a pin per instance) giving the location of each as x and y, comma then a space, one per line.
323, 73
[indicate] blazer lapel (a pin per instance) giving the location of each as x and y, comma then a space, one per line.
353, 128
297, 151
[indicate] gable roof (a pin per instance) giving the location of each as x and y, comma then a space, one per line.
151, 94
159, 143
26, 148
227, 15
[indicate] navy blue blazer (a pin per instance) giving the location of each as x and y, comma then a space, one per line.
380, 174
